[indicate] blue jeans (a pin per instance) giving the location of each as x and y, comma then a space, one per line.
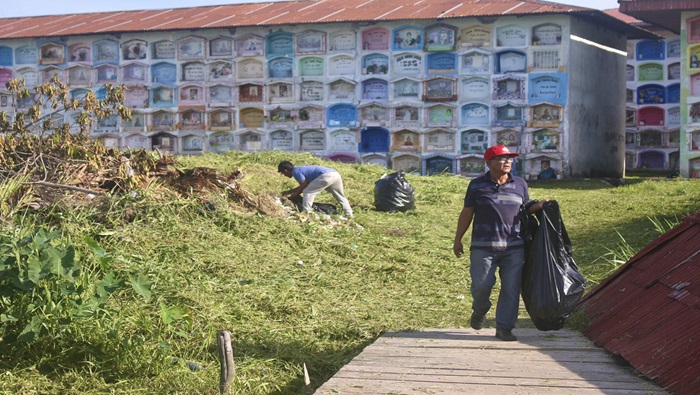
483, 273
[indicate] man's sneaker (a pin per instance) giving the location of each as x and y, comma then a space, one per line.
477, 321
506, 335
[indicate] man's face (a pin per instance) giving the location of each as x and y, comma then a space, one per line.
287, 172
500, 164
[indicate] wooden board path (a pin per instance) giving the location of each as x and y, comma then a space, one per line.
467, 361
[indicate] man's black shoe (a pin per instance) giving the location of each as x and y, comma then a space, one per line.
506, 335
477, 321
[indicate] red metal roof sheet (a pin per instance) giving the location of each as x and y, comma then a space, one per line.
282, 13
649, 310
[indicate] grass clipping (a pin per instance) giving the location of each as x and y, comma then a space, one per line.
40, 171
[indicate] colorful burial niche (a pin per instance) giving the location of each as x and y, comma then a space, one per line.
220, 95
508, 87
651, 116
406, 140
439, 140
254, 45
545, 115
407, 63
343, 141
164, 73
508, 114
191, 119
192, 143
249, 68
650, 138
374, 139
191, 94
190, 48
508, 137
438, 164
251, 117
440, 89
651, 50
221, 142
406, 115
476, 61
221, 119
342, 90
406, 88
280, 92
282, 140
474, 114
440, 37
545, 140
478, 36
407, 38
406, 163
137, 141
545, 59
375, 39
162, 120
220, 71
107, 73
311, 91
342, 41
77, 76
220, 47
164, 49
312, 141
311, 117
375, 89
374, 114
473, 141
511, 36
342, 65
375, 63
251, 141
342, 115
165, 142
474, 88
651, 159
78, 52
440, 115
310, 42
250, 93
137, 123
52, 53
471, 165
134, 50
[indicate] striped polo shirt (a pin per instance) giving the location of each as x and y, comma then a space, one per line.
496, 225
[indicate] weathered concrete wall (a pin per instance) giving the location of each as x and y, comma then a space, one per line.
596, 105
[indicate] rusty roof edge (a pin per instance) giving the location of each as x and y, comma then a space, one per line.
632, 32
687, 222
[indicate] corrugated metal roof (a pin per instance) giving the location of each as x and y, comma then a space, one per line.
649, 310
662, 13
615, 12
286, 13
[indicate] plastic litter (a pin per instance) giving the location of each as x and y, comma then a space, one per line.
393, 193
552, 285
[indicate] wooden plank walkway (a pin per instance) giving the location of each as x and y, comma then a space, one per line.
467, 361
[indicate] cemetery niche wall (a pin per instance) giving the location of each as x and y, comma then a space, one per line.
411, 95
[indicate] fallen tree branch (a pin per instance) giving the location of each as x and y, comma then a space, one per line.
63, 186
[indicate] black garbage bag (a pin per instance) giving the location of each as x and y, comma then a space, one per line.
393, 193
320, 207
552, 285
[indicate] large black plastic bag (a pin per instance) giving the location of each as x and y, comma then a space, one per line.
393, 193
326, 208
552, 285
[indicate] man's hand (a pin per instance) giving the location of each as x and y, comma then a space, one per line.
458, 249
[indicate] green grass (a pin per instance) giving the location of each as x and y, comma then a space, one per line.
296, 292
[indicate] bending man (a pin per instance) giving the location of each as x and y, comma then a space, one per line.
312, 180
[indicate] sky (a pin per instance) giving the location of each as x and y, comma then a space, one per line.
53, 7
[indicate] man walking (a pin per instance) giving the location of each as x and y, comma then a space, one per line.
312, 180
492, 203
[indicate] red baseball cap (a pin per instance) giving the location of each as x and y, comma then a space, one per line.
498, 150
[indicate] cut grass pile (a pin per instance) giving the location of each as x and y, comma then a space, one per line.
296, 291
